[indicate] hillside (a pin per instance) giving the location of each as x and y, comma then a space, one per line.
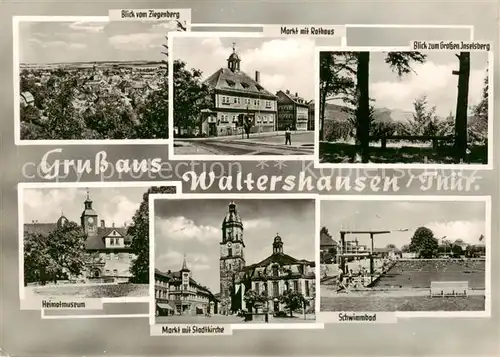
340, 113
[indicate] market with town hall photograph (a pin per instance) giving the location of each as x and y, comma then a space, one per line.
426, 255
91, 80
403, 107
251, 260
84, 243
250, 95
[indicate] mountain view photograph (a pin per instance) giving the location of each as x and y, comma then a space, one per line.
403, 107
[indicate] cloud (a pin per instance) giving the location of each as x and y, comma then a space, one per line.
433, 80
91, 27
181, 228
172, 260
137, 41
285, 63
60, 44
47, 203
256, 223
468, 231
118, 210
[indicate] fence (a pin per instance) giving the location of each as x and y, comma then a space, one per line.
449, 288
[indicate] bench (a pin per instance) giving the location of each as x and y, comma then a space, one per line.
435, 139
449, 288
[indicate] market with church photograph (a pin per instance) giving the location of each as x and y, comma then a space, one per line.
84, 242
241, 261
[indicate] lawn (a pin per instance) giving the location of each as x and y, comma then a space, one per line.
91, 291
420, 273
401, 152
402, 303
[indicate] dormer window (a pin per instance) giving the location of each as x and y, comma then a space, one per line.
245, 85
230, 83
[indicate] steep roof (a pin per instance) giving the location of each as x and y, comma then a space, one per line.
97, 241
294, 98
237, 81
176, 277
93, 242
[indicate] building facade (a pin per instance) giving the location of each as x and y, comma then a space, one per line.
108, 247
310, 115
272, 276
293, 111
237, 93
177, 293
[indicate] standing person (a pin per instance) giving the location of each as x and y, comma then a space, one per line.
288, 136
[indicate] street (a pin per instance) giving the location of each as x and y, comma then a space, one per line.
270, 144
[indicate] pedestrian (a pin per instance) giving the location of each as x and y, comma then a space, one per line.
288, 136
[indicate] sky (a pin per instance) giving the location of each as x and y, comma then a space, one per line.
192, 227
62, 42
113, 204
455, 220
284, 62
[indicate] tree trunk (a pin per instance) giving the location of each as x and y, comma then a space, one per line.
322, 109
462, 101
363, 110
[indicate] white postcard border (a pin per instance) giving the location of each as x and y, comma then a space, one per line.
486, 199
244, 196
465, 167
173, 156
94, 184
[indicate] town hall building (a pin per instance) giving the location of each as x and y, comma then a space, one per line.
109, 246
272, 276
235, 93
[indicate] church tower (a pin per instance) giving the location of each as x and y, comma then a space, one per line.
233, 62
88, 218
232, 259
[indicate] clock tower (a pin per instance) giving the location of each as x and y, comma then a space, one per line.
232, 259
88, 219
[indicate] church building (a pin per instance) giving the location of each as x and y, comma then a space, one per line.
235, 93
109, 246
271, 276
177, 293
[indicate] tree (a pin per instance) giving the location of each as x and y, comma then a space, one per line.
60, 255
336, 73
424, 122
153, 115
63, 121
254, 299
66, 246
424, 243
400, 62
324, 231
191, 96
139, 231
293, 300
457, 250
391, 246
479, 128
109, 118
405, 248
